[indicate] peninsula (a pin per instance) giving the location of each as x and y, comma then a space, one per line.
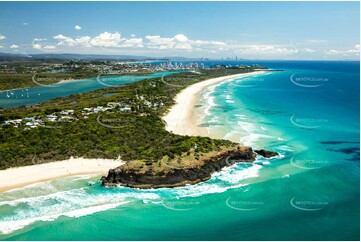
121, 121
190, 167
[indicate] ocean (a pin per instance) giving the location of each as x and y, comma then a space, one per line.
309, 112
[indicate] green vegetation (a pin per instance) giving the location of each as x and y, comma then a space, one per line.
18, 74
23, 80
138, 134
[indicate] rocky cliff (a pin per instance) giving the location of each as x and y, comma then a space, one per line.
167, 174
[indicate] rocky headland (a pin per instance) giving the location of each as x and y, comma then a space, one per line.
179, 172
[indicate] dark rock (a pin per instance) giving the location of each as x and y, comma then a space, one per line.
133, 176
266, 153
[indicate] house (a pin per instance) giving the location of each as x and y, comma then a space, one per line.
67, 112
125, 109
51, 118
15, 121
113, 104
67, 118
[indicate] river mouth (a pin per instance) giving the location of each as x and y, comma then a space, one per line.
42, 93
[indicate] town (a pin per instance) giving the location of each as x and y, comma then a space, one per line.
66, 116
106, 66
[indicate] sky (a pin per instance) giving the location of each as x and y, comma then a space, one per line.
251, 30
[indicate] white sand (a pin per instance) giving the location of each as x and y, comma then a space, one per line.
182, 119
21, 176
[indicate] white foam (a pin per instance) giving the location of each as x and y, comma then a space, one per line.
37, 185
229, 178
36, 200
251, 139
246, 126
73, 203
229, 99
91, 210
16, 223
233, 175
83, 177
210, 104
284, 148
201, 190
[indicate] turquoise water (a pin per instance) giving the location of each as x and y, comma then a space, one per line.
310, 192
41, 93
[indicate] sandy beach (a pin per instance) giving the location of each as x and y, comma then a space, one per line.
21, 176
182, 118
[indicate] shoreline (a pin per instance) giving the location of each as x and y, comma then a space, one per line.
182, 117
22, 176
55, 83
63, 81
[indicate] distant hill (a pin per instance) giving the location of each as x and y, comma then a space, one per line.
8, 57
85, 56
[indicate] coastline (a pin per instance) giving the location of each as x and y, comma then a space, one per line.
21, 176
63, 81
181, 118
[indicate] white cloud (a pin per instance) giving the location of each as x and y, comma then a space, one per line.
83, 41
181, 38
64, 40
1, 46
25, 24
182, 42
207, 42
354, 51
36, 39
37, 46
50, 47
60, 36
14, 46
2, 37
157, 42
77, 27
134, 42
267, 50
178, 42
40, 45
106, 40
308, 50
70, 42
114, 40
